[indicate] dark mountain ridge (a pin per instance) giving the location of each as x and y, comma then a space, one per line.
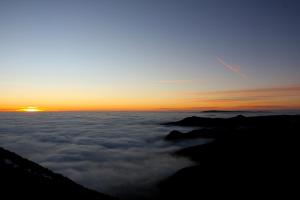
26, 179
249, 157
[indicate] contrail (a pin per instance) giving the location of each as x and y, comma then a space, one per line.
234, 69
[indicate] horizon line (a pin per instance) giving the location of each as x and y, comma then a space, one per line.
257, 109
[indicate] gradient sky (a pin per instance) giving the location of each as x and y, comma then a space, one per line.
149, 55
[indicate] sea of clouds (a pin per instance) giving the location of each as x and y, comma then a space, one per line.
119, 153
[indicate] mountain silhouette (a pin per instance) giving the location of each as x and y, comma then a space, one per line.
23, 178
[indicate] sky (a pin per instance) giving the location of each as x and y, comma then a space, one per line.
65, 55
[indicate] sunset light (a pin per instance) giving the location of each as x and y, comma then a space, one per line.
118, 57
135, 99
30, 109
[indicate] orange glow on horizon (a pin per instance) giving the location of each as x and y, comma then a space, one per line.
281, 97
192, 107
30, 109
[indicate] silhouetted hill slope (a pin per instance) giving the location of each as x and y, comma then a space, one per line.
232, 111
237, 121
22, 178
250, 157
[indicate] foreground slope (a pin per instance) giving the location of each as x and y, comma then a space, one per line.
23, 178
249, 157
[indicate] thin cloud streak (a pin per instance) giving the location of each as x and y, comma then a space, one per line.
284, 97
179, 81
232, 68
280, 90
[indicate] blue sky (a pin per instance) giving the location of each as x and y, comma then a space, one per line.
140, 49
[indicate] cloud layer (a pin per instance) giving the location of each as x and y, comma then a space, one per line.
116, 153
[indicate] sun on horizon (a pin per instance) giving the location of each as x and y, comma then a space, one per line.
30, 109
183, 56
